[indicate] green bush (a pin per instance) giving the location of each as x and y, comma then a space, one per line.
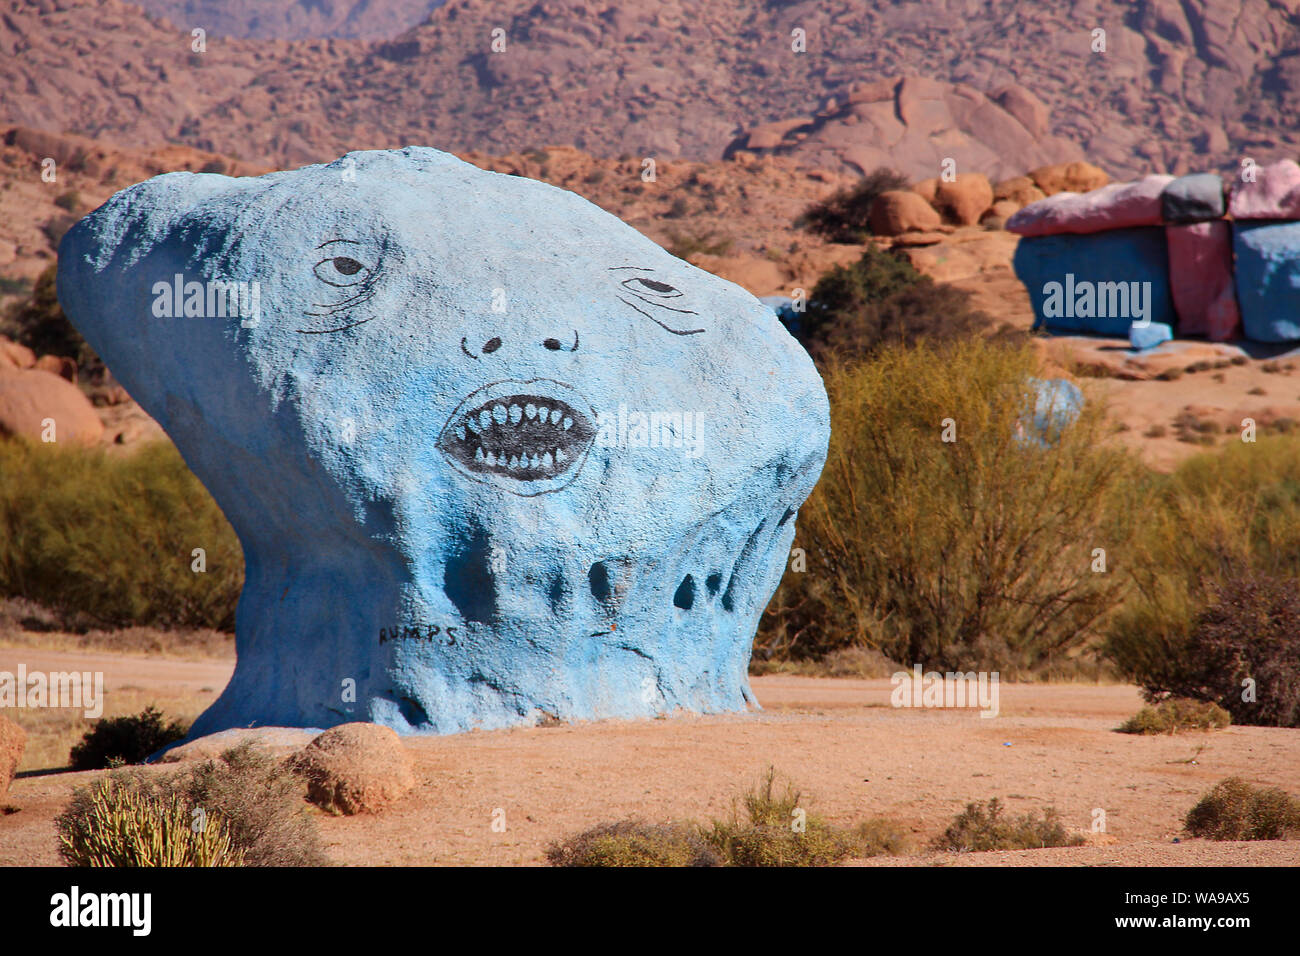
244, 809
1215, 558
126, 819
981, 828
973, 554
39, 324
1237, 810
1179, 713
845, 215
881, 299
632, 843
125, 740
110, 539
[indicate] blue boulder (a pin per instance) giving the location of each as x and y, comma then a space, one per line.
493, 456
1051, 405
1143, 337
1098, 283
1268, 279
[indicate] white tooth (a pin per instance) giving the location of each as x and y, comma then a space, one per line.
492, 458
560, 455
543, 411
499, 413
547, 462
535, 463
555, 416
478, 455
473, 426
485, 418
531, 411
514, 462
568, 423
460, 433
516, 413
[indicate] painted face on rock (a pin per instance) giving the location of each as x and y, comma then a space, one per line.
467, 404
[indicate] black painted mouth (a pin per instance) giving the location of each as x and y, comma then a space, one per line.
522, 436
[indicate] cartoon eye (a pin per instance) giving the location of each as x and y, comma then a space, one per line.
340, 271
653, 287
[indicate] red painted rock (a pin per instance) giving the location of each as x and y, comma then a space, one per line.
1117, 206
1275, 193
1200, 279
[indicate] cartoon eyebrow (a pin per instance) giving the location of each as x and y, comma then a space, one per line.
638, 268
657, 322
330, 242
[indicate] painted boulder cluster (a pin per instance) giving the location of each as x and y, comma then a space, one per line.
493, 456
1192, 254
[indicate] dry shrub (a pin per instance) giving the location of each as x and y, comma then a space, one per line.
1177, 714
633, 843
1213, 574
768, 826
125, 740
972, 554
980, 828
881, 300
1237, 810
845, 215
244, 809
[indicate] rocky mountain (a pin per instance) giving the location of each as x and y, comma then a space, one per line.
294, 19
1138, 85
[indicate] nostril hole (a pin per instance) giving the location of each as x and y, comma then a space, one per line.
552, 344
491, 345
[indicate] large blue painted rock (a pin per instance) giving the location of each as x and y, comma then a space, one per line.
493, 455
1100, 283
1268, 279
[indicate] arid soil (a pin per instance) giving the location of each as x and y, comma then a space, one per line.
853, 755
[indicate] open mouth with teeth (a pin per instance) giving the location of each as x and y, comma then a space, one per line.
529, 437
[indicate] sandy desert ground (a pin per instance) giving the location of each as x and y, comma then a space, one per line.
853, 754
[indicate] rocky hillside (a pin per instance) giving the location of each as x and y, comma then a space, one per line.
1180, 84
294, 19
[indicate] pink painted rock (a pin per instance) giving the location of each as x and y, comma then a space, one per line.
1275, 193
1117, 206
1200, 279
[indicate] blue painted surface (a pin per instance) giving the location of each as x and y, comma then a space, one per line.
1268, 279
1056, 403
412, 310
1119, 256
1143, 337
